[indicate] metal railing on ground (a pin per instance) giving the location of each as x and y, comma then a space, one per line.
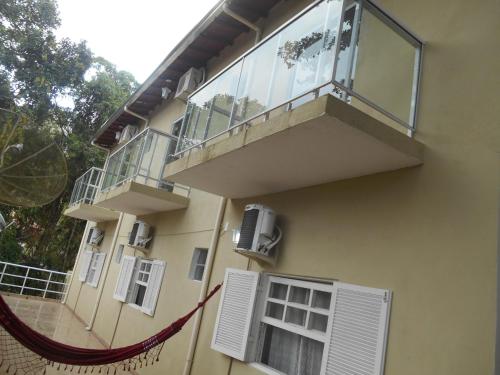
33, 281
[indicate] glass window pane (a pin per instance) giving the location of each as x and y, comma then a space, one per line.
321, 299
278, 291
290, 353
139, 298
299, 295
295, 316
275, 310
198, 272
380, 46
317, 322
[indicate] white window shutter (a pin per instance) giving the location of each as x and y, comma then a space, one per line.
124, 278
236, 307
153, 289
357, 330
99, 264
85, 264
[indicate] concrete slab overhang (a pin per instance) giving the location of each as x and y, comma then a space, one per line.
91, 212
138, 199
321, 141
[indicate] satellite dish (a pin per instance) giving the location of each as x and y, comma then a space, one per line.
33, 170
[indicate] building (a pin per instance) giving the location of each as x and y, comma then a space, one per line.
378, 152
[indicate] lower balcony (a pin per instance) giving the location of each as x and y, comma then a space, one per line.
82, 198
132, 180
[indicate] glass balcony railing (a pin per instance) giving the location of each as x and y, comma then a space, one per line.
350, 49
142, 160
86, 187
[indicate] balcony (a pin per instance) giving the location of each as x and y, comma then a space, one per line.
306, 106
132, 180
82, 198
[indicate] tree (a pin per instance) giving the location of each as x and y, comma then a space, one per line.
36, 70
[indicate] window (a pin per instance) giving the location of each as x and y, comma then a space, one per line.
139, 282
289, 326
198, 264
292, 332
91, 267
119, 254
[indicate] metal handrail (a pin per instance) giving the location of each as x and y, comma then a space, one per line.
83, 184
61, 286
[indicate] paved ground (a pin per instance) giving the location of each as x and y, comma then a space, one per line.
53, 320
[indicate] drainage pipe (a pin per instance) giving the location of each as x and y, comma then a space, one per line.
204, 286
105, 273
244, 21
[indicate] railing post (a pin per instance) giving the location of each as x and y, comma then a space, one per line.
47, 285
25, 278
3, 272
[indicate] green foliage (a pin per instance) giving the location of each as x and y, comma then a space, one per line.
10, 249
36, 69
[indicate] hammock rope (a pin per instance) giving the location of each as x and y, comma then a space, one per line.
25, 351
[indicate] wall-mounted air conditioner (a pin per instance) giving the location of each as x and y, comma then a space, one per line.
259, 234
141, 235
127, 133
95, 236
188, 83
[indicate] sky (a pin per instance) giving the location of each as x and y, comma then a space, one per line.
134, 35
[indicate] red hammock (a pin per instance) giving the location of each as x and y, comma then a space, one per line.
52, 352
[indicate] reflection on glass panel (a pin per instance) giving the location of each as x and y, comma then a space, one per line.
380, 47
253, 90
278, 291
275, 310
299, 295
344, 59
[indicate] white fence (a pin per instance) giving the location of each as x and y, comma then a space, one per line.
32, 281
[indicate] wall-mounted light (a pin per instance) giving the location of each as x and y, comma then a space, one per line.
236, 235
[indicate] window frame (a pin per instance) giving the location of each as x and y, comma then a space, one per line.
92, 269
260, 317
195, 263
135, 282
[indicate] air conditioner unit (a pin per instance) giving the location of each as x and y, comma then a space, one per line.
95, 236
188, 83
259, 234
127, 133
141, 235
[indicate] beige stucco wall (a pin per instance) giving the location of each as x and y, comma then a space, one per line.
428, 233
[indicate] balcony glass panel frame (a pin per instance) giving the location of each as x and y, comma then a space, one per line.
340, 60
86, 187
142, 160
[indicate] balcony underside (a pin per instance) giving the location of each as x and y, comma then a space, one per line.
321, 141
91, 212
138, 199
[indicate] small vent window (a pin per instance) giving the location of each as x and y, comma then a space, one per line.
198, 264
119, 254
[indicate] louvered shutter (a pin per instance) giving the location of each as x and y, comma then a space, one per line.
85, 264
98, 268
124, 278
153, 288
357, 330
236, 307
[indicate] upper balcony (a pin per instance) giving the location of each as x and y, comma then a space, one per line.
132, 180
82, 198
307, 105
